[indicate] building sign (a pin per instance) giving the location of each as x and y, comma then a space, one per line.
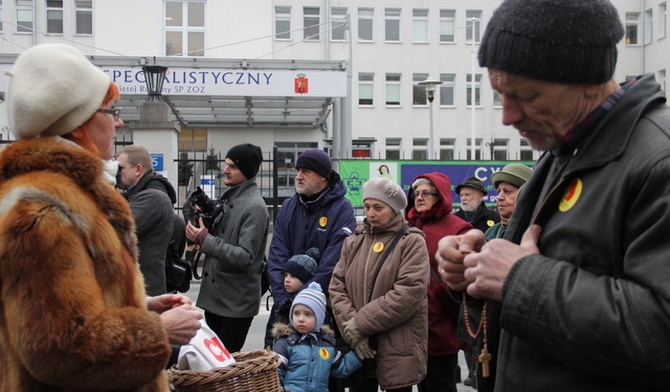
355, 173
235, 82
157, 161
208, 185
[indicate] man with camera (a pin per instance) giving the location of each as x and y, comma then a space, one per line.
232, 232
151, 198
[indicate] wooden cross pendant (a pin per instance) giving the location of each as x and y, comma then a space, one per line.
484, 358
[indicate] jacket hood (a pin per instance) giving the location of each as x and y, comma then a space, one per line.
281, 330
335, 191
153, 180
441, 208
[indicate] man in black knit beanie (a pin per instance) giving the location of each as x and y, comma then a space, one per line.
576, 293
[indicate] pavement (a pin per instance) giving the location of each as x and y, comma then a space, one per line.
255, 338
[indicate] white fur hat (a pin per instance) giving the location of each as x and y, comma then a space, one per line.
53, 89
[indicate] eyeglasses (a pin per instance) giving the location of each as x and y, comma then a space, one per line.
424, 194
114, 112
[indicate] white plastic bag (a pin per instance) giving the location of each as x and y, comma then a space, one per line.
204, 352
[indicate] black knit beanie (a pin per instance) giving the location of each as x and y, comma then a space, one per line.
563, 41
317, 161
247, 157
303, 266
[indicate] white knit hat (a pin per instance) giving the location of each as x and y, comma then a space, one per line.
53, 89
313, 298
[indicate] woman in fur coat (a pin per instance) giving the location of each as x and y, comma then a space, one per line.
73, 310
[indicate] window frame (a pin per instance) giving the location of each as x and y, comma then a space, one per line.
448, 85
392, 16
420, 22
478, 90
24, 24
53, 17
190, 34
632, 28
468, 25
365, 83
446, 21
363, 16
419, 95
392, 86
338, 23
311, 31
282, 17
81, 11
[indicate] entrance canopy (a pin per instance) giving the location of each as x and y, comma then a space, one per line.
235, 93
226, 93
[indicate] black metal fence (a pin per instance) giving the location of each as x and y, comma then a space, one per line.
202, 168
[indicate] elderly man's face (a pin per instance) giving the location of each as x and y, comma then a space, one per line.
542, 112
471, 198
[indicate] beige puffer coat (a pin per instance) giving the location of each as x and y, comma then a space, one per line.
397, 313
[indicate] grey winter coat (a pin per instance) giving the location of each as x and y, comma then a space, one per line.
152, 203
231, 281
591, 312
397, 314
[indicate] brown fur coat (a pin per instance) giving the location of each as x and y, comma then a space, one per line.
72, 301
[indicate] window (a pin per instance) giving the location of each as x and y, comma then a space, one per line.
420, 149
632, 28
469, 16
287, 154
338, 23
526, 152
184, 28
393, 89
361, 149
497, 99
447, 89
498, 148
392, 24
1, 26
24, 16
54, 14
83, 17
419, 96
193, 140
447, 147
660, 79
282, 22
420, 25
366, 88
447, 25
478, 89
648, 26
311, 23
662, 20
392, 148
365, 24
478, 150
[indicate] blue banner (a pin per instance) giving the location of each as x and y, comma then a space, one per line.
355, 173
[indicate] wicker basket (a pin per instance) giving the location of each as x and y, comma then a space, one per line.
253, 371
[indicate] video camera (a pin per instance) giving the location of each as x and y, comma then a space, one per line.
209, 209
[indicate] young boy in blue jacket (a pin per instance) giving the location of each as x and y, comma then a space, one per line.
306, 347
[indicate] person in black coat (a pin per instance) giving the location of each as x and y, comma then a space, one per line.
473, 209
